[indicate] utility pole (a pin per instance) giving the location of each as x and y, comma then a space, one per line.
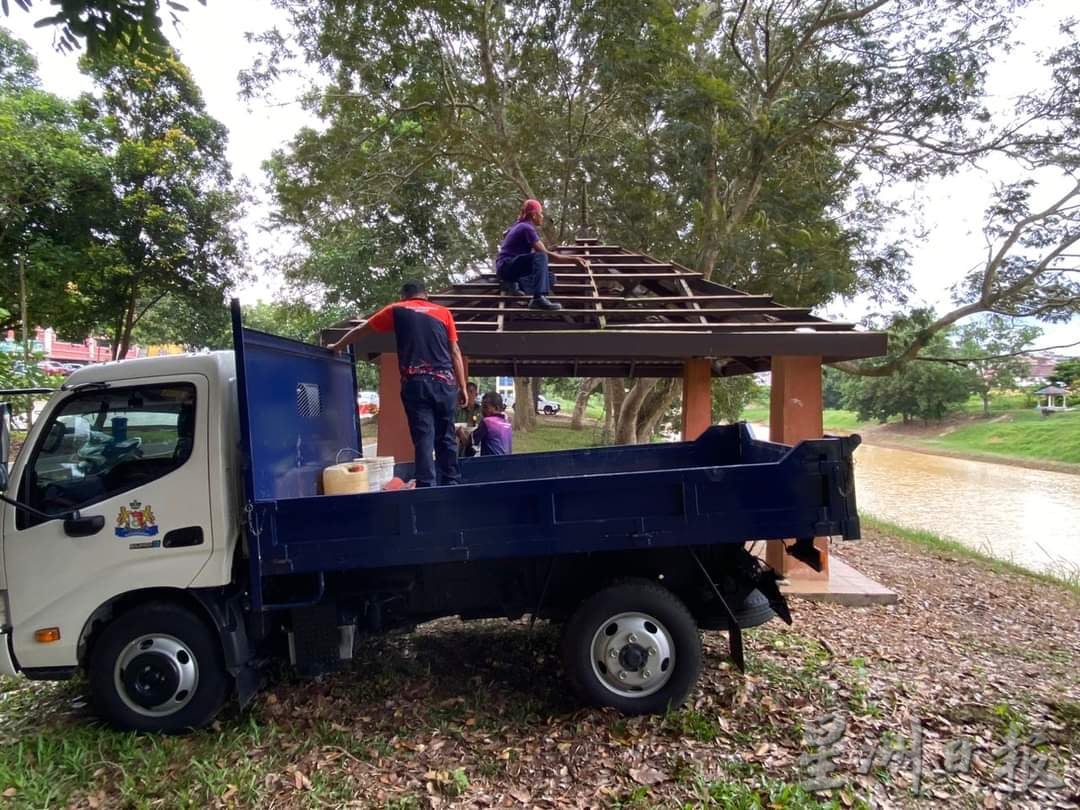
25, 337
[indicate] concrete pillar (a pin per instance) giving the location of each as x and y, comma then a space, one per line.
795, 414
393, 436
697, 398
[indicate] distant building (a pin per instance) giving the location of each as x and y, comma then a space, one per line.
45, 342
1040, 367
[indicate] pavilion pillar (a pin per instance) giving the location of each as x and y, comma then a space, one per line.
696, 398
393, 437
795, 413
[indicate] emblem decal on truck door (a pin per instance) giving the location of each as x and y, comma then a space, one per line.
136, 519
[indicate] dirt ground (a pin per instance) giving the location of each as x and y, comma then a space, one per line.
977, 669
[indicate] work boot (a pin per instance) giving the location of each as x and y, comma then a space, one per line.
511, 288
540, 302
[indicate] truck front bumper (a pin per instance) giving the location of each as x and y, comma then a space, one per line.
7, 660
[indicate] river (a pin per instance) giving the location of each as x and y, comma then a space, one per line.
1030, 517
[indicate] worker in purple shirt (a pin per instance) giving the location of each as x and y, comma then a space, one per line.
493, 435
522, 263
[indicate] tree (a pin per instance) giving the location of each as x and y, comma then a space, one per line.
107, 25
924, 390
18, 66
730, 396
467, 108
170, 229
581, 400
1029, 269
53, 180
992, 348
1067, 372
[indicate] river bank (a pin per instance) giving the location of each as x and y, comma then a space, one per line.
1019, 438
974, 660
1015, 438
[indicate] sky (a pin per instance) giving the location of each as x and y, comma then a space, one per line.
212, 42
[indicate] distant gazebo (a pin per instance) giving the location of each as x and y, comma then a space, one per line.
1052, 394
630, 315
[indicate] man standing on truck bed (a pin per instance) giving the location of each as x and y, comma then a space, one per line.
432, 377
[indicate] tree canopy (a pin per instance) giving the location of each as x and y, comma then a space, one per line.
747, 140
106, 26
117, 203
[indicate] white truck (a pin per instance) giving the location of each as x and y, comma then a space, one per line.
163, 531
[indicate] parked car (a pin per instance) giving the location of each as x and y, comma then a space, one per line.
545, 405
52, 368
367, 403
70, 367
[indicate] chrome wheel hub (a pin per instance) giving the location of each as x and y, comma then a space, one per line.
633, 654
156, 675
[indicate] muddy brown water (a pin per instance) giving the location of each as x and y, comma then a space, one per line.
1030, 517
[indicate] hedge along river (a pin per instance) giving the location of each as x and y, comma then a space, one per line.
1029, 517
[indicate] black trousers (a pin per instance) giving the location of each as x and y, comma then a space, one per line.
430, 405
530, 270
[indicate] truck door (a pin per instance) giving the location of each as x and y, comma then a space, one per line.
133, 453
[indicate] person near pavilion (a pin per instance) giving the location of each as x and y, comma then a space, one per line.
522, 263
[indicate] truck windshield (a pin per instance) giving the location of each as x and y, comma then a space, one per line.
101, 443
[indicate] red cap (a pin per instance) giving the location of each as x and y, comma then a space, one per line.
528, 208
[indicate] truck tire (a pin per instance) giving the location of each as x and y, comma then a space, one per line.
632, 646
158, 667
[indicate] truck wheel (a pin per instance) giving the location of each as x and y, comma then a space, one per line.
548, 410
158, 668
633, 646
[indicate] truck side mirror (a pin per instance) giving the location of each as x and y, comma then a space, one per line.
5, 443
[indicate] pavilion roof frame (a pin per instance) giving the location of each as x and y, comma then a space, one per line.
629, 315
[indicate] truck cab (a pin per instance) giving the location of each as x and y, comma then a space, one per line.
141, 457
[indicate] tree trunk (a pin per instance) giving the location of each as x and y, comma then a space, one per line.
985, 396
588, 385
627, 421
614, 394
524, 405
122, 339
655, 406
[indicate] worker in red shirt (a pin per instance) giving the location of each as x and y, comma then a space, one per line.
432, 377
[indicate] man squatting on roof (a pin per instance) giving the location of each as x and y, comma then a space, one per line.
432, 377
522, 263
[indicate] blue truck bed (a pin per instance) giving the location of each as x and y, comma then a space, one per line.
298, 412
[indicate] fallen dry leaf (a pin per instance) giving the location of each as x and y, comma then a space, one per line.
648, 775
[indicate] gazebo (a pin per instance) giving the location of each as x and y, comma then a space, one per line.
1052, 393
630, 315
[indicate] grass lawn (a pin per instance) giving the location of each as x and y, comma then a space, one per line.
834, 419
555, 434
1024, 434
593, 410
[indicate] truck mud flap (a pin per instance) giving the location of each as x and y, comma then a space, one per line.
314, 640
